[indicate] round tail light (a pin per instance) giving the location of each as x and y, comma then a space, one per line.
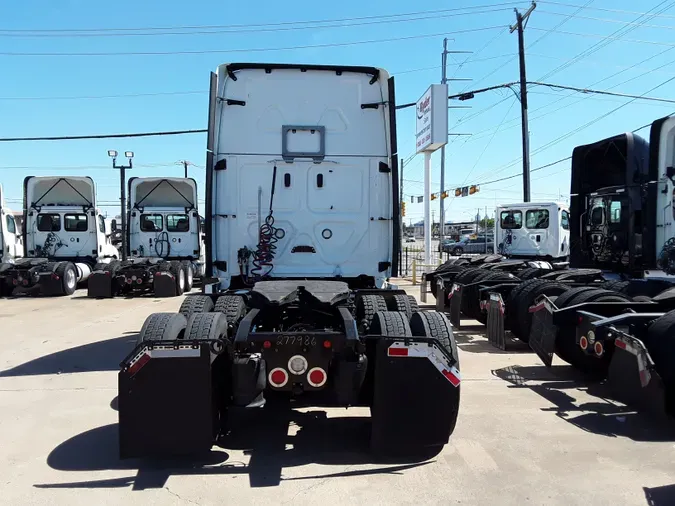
583, 342
599, 349
317, 377
297, 365
278, 377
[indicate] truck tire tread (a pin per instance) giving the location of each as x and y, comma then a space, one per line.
206, 326
367, 306
162, 327
232, 306
196, 304
390, 323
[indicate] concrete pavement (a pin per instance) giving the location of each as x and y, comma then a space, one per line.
525, 435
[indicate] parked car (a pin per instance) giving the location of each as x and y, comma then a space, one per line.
409, 239
447, 245
473, 245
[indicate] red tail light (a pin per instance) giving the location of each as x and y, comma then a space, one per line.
599, 349
317, 377
583, 342
278, 377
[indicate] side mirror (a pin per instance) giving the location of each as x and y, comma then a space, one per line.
113, 225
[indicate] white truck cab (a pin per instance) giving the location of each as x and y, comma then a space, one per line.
164, 241
64, 236
301, 192
11, 246
163, 219
533, 230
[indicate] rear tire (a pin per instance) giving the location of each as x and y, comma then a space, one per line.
414, 306
196, 304
68, 276
661, 346
435, 325
566, 346
367, 306
178, 272
399, 303
232, 306
189, 275
162, 327
212, 326
390, 324
527, 297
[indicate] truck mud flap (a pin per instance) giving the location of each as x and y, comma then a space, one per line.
543, 332
441, 294
455, 298
495, 321
50, 285
631, 376
165, 401
100, 285
416, 395
164, 284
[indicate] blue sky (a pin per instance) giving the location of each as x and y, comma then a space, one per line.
171, 90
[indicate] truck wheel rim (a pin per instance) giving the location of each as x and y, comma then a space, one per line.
189, 275
181, 279
70, 278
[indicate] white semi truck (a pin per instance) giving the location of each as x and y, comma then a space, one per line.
11, 246
533, 230
301, 226
64, 237
164, 241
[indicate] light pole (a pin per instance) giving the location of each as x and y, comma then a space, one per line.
123, 194
185, 164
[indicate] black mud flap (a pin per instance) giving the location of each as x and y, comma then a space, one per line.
632, 377
455, 297
51, 285
543, 332
416, 395
164, 284
100, 285
165, 401
495, 321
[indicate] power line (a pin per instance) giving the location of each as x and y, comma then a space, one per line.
605, 20
601, 92
607, 37
440, 14
102, 136
620, 11
248, 25
250, 50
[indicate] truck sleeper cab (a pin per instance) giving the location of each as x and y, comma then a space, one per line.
302, 237
164, 241
64, 234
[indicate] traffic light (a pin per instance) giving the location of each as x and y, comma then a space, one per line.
403, 209
474, 189
433, 196
458, 192
444, 195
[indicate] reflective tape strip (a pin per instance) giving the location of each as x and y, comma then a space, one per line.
620, 343
173, 353
537, 307
431, 353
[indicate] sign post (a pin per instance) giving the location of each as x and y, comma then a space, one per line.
431, 133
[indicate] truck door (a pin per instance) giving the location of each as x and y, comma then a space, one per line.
537, 223
11, 247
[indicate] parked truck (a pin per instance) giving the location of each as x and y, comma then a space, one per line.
612, 314
64, 237
11, 246
302, 237
164, 241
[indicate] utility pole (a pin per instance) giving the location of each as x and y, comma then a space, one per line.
444, 80
185, 164
521, 21
400, 206
123, 194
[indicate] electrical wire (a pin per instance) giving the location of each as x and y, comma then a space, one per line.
603, 9
102, 136
605, 20
248, 25
251, 50
442, 14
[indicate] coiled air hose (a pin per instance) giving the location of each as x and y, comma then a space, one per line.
162, 239
263, 257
